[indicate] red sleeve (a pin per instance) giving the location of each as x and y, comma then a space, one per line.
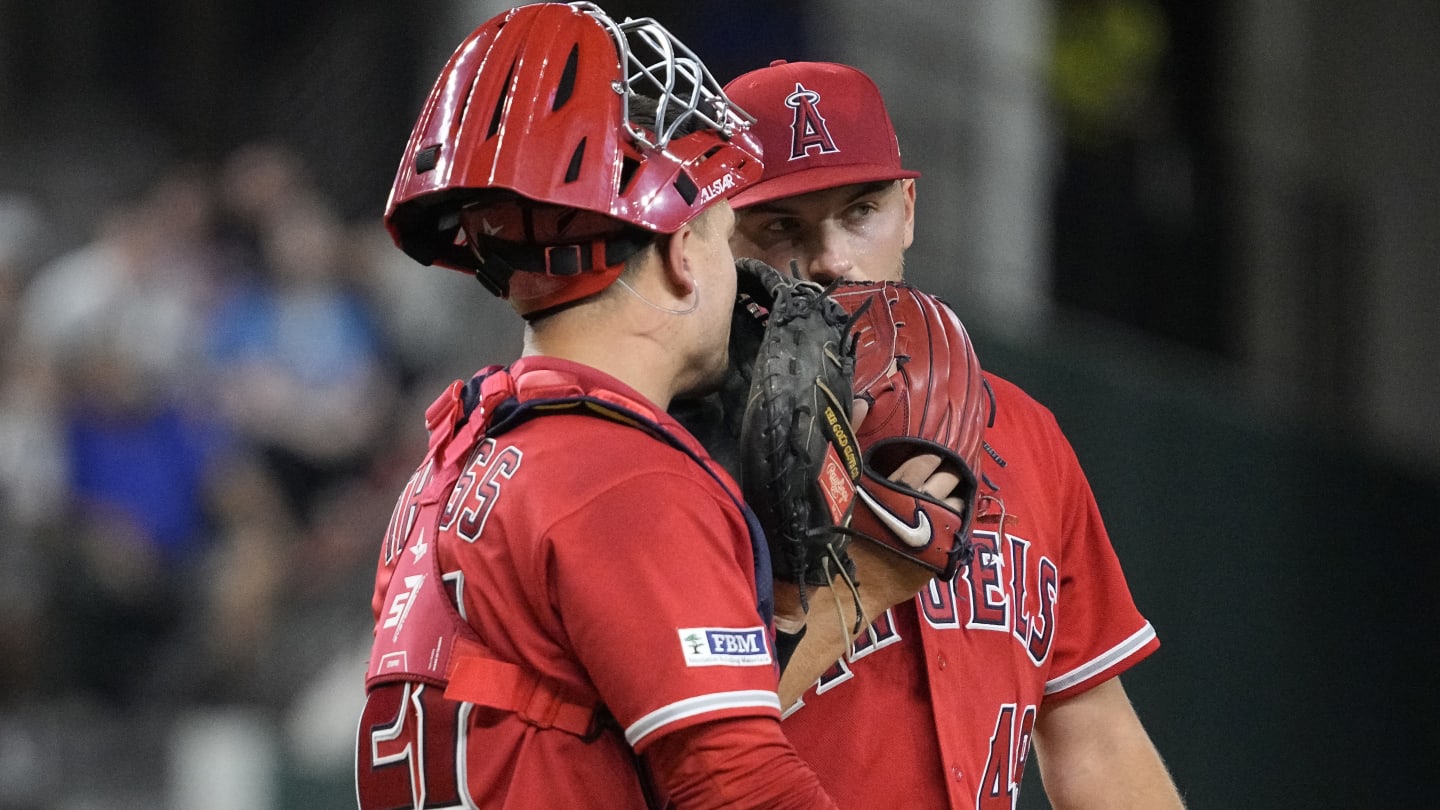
735, 764
645, 575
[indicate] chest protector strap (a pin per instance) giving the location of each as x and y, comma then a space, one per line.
477, 678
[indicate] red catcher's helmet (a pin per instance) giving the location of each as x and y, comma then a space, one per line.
527, 141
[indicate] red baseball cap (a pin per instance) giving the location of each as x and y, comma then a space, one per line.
820, 125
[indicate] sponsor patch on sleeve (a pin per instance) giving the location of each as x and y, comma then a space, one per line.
724, 646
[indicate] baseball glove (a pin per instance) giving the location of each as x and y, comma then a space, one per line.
916, 368
793, 359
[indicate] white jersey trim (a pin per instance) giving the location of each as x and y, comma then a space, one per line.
704, 704
1104, 661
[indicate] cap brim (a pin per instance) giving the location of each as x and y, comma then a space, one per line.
815, 179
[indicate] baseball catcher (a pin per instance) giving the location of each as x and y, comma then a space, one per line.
572, 605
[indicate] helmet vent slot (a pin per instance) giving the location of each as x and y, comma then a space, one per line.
628, 167
567, 79
572, 172
499, 113
686, 187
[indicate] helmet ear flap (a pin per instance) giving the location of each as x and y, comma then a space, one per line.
434, 232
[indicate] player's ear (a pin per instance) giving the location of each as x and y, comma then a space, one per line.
678, 251
907, 190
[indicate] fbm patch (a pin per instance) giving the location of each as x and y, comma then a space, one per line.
724, 647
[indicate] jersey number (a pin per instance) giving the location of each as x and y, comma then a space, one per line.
409, 736
1009, 748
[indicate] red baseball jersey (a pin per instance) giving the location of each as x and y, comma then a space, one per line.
595, 555
941, 697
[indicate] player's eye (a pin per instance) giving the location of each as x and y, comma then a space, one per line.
782, 225
863, 210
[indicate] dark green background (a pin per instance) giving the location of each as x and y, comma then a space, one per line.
1291, 580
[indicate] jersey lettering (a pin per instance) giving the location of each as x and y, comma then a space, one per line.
1022, 602
479, 488
808, 129
838, 673
407, 506
409, 737
1042, 627
989, 603
985, 596
456, 581
877, 636
1019, 553
938, 604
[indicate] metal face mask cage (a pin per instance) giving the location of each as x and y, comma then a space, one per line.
658, 65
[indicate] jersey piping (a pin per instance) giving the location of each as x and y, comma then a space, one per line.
1104, 661
701, 704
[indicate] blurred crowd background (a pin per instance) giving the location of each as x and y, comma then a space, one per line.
1204, 234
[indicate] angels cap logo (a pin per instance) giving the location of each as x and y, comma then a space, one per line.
808, 130
820, 124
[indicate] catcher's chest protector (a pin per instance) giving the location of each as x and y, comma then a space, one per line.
429, 669
421, 636
417, 634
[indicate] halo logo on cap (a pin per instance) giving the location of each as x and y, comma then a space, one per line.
809, 129
821, 125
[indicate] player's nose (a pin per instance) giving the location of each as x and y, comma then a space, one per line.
829, 261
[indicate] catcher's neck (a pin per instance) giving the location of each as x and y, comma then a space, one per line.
644, 359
